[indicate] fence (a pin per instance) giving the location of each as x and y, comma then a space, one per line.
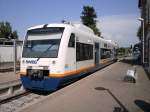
7, 53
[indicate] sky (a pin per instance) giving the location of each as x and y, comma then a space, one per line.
117, 19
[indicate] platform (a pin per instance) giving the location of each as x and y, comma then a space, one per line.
8, 76
102, 91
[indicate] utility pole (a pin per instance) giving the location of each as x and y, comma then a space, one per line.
143, 35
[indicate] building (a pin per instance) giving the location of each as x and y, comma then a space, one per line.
7, 50
144, 6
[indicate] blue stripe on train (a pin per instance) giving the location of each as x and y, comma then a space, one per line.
48, 84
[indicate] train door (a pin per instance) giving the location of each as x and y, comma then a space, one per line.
72, 53
97, 53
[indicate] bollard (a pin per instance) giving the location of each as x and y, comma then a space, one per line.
22, 88
131, 75
10, 90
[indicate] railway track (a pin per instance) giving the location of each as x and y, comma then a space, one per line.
16, 103
10, 89
13, 96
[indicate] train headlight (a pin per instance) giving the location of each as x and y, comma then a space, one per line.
53, 62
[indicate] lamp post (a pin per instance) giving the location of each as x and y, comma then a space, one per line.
15, 55
142, 21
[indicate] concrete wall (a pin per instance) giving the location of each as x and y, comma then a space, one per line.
6, 53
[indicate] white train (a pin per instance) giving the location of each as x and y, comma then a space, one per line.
53, 53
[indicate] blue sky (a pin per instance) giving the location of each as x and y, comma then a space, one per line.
26, 13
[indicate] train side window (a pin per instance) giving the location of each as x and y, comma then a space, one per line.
84, 51
72, 40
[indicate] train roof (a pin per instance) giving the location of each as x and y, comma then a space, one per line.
77, 26
48, 25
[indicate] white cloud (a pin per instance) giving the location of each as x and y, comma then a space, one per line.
119, 28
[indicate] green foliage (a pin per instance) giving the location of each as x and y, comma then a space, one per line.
96, 30
121, 50
137, 47
6, 31
14, 35
89, 19
88, 16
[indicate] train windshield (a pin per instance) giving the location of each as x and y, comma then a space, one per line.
42, 43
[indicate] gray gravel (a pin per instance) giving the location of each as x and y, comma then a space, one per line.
16, 104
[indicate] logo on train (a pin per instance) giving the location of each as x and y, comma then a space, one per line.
31, 61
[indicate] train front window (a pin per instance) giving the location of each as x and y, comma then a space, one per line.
41, 48
42, 43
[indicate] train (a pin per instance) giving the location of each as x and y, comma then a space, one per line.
55, 53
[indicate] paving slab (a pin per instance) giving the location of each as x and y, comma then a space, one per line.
102, 91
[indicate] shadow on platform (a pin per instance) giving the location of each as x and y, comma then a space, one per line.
131, 62
122, 108
143, 105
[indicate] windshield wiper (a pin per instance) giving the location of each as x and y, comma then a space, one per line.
45, 51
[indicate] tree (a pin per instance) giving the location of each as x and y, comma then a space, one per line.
121, 51
89, 19
137, 47
6, 31
14, 35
